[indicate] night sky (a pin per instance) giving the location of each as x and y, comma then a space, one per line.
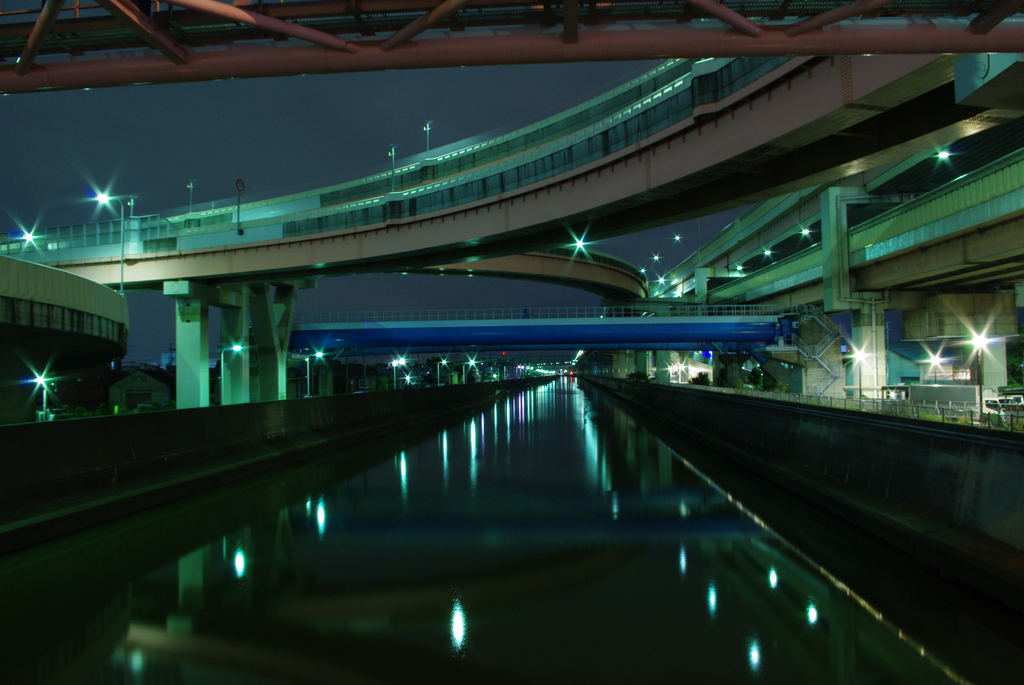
287, 135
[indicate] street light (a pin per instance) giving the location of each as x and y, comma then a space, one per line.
309, 385
980, 342
858, 358
233, 348
445, 362
41, 381
190, 186
394, 367
469, 362
426, 127
104, 199
391, 154
936, 361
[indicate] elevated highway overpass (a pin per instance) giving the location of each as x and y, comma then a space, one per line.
684, 140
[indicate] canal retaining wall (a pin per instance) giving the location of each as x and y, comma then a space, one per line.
938, 491
63, 475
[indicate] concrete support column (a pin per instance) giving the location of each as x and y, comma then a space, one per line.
869, 349
272, 314
835, 248
732, 368
662, 366
993, 372
643, 362
234, 331
621, 364
192, 345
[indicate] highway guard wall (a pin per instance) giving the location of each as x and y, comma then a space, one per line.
957, 476
56, 477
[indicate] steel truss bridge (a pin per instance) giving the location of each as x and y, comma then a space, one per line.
62, 44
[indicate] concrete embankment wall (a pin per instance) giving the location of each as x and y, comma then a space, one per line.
103, 467
957, 476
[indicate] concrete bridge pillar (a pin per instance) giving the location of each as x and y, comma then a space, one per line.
234, 331
272, 314
642, 362
732, 368
663, 366
869, 349
622, 365
192, 342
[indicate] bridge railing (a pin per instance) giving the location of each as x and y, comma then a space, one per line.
584, 134
965, 413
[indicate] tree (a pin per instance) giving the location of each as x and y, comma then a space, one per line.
701, 378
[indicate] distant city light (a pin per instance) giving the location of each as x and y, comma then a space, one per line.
767, 253
579, 244
677, 238
655, 258
773, 579
712, 599
682, 561
943, 155
28, 237
805, 231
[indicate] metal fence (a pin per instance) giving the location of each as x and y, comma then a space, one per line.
964, 413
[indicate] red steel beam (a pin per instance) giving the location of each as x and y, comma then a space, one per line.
987, 20
526, 45
42, 27
423, 22
852, 9
144, 27
262, 21
730, 17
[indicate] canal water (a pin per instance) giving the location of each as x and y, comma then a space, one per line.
545, 538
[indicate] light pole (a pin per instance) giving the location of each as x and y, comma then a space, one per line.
858, 358
426, 127
980, 342
394, 367
105, 199
936, 361
391, 154
309, 384
445, 362
190, 186
234, 348
41, 382
469, 362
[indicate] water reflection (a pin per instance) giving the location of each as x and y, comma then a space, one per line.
583, 547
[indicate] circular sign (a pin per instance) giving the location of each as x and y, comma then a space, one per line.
240, 185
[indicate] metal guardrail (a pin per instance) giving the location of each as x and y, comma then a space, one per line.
963, 413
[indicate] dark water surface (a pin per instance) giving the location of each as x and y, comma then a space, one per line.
546, 539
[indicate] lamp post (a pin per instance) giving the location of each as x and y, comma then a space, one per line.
391, 154
858, 358
394, 367
309, 384
469, 362
980, 342
41, 382
936, 361
105, 199
190, 186
445, 362
426, 127
233, 348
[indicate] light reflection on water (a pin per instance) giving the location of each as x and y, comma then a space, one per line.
583, 547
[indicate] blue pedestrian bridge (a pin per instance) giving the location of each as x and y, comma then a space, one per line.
726, 328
